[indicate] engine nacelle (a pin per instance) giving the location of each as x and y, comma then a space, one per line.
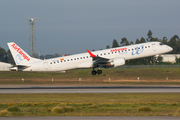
117, 62
13, 69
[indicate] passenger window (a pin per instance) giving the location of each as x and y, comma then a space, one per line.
87, 56
77, 58
145, 46
64, 60
148, 46
84, 57
50, 62
108, 53
122, 50
74, 58
104, 53
71, 59
81, 57
112, 52
128, 49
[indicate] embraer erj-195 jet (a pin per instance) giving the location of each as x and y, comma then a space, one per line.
112, 57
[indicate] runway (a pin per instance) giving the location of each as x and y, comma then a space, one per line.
88, 89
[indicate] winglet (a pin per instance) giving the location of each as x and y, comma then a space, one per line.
92, 55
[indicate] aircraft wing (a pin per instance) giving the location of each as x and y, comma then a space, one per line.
98, 60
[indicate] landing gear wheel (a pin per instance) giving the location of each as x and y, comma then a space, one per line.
99, 71
93, 72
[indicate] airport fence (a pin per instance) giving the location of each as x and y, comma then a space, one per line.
147, 66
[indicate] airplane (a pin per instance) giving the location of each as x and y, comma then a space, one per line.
107, 58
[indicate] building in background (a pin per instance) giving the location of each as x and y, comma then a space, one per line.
170, 57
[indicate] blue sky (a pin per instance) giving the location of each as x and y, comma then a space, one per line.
72, 26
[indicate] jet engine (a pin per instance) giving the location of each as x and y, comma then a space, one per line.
116, 62
13, 68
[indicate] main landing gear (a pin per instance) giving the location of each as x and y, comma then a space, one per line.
94, 72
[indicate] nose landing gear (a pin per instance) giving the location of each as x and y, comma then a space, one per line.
94, 72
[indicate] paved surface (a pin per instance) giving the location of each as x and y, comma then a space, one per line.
89, 89
92, 118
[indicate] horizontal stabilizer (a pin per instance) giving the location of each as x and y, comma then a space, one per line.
18, 67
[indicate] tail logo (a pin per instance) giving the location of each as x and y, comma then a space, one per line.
19, 58
15, 47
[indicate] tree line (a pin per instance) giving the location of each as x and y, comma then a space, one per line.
174, 42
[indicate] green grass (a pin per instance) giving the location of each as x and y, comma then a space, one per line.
91, 104
91, 97
5, 113
101, 109
13, 109
144, 108
58, 109
148, 76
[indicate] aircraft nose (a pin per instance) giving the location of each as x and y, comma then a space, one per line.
170, 48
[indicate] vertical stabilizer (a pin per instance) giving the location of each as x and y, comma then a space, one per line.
20, 56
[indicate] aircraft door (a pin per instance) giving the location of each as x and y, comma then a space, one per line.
154, 47
46, 66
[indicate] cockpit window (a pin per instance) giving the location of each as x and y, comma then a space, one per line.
161, 44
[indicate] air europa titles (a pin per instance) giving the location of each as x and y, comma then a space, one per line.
15, 47
114, 50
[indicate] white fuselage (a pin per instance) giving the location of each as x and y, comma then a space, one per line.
85, 61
